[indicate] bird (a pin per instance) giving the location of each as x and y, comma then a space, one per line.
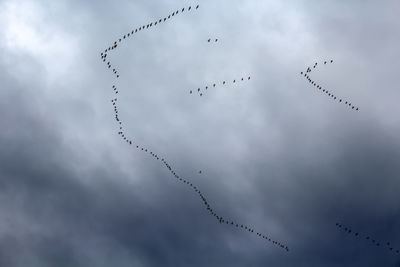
209, 40
216, 40
197, 6
200, 172
190, 91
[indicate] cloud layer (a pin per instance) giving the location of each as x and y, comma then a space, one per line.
274, 152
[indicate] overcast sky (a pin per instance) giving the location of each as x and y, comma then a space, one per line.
275, 153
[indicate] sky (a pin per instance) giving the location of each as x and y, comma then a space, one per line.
275, 153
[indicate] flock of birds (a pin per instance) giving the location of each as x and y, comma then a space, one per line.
368, 238
223, 83
320, 88
155, 156
207, 205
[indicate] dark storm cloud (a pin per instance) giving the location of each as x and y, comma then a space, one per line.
275, 153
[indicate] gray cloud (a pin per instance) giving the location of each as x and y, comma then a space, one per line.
274, 153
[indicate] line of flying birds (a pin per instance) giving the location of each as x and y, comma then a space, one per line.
104, 54
219, 218
223, 83
319, 87
369, 238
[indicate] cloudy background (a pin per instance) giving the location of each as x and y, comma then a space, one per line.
275, 153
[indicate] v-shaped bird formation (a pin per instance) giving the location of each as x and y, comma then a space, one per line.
322, 89
163, 160
368, 238
200, 91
